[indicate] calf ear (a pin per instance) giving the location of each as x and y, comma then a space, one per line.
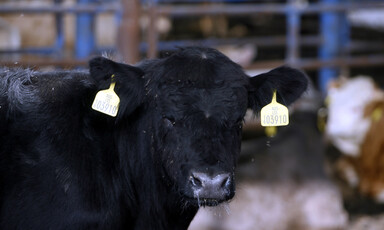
289, 84
101, 70
129, 82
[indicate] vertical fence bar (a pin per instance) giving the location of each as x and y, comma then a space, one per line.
85, 39
129, 31
59, 44
293, 34
329, 27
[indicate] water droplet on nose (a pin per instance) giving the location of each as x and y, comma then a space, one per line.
268, 143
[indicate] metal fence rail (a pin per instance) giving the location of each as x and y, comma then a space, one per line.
85, 11
75, 9
333, 42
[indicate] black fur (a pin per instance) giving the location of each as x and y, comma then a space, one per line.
66, 166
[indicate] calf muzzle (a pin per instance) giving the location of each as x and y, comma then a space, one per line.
211, 189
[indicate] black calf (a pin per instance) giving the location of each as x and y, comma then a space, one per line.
172, 147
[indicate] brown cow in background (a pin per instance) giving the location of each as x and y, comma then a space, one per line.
355, 126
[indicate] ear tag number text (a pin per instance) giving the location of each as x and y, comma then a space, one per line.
274, 114
107, 101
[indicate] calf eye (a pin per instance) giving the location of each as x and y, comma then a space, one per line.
169, 122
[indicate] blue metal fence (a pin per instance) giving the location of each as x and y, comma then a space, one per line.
331, 26
85, 11
85, 32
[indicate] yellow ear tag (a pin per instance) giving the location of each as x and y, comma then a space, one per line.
270, 131
274, 114
107, 101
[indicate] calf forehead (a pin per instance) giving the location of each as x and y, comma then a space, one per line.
202, 67
221, 102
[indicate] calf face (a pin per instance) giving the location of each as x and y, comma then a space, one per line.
193, 103
346, 124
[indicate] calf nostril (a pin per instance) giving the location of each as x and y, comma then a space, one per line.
221, 181
226, 182
196, 181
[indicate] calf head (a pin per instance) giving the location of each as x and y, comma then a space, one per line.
347, 125
196, 100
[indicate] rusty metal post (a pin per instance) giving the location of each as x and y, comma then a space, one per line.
152, 34
129, 31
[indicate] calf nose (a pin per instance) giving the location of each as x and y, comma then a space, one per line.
207, 186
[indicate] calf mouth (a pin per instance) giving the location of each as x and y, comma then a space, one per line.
206, 202
210, 202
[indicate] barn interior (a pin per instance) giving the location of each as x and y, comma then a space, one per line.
322, 171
